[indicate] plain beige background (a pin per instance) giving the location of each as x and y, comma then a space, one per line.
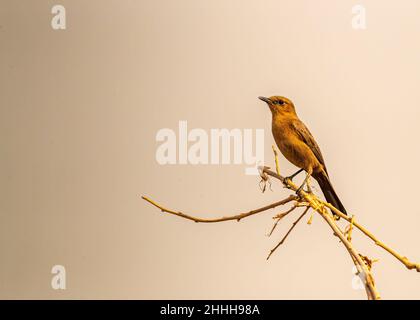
80, 108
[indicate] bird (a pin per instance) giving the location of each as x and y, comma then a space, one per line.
298, 146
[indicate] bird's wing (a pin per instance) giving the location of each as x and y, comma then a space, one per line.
306, 136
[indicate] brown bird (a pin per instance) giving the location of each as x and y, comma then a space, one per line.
298, 146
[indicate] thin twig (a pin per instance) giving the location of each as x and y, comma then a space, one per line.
281, 216
237, 217
288, 232
276, 159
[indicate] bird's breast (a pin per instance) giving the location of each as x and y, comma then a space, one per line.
292, 148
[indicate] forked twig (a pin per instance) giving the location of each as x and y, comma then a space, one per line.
281, 216
288, 232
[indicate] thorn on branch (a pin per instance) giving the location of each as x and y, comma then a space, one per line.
369, 262
311, 218
349, 229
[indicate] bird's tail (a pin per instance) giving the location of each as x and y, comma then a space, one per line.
329, 192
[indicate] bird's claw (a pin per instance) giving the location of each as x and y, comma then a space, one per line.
288, 178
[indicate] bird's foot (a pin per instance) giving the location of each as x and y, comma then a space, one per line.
289, 178
308, 186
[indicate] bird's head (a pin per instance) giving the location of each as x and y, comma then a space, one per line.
279, 105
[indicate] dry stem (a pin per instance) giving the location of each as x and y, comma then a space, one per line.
237, 217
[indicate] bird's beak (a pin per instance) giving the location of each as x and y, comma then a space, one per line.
265, 99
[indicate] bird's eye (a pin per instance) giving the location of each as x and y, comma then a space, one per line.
280, 102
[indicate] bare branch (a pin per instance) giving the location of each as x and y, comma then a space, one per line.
319, 206
309, 200
237, 217
359, 262
410, 265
